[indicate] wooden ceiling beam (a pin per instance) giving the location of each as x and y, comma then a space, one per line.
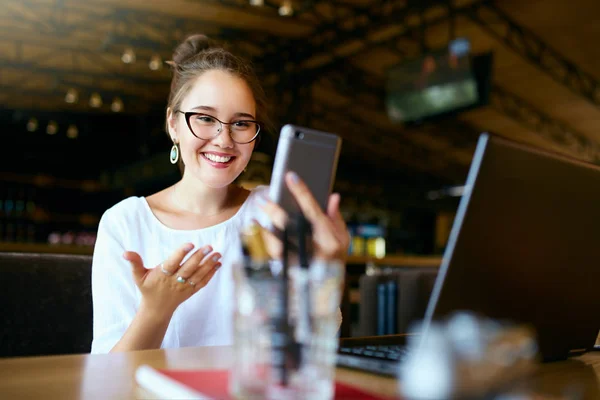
61, 71
212, 10
28, 99
561, 133
534, 50
111, 29
384, 24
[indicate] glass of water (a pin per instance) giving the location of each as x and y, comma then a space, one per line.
298, 360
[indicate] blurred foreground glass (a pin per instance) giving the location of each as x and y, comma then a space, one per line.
310, 359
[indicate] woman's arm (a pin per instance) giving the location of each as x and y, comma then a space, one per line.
146, 331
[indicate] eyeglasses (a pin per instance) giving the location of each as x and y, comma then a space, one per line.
207, 127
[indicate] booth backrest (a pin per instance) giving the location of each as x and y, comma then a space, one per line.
46, 304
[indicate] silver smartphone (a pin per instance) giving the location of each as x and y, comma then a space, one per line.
313, 155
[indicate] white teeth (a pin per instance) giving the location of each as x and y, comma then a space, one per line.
215, 158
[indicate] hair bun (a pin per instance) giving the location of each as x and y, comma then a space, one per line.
190, 47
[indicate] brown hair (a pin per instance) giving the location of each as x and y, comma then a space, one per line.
198, 54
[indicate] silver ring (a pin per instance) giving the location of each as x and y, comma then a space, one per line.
164, 271
181, 279
191, 283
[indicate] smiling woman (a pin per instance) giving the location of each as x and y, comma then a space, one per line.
210, 153
150, 288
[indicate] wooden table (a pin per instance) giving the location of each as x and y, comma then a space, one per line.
111, 376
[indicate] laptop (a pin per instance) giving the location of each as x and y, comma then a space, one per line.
523, 248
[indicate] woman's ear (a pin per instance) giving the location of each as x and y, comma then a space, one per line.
172, 124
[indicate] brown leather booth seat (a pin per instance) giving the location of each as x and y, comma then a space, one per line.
413, 288
46, 304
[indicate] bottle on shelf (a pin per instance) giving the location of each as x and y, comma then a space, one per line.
20, 203
10, 232
9, 204
20, 234
31, 233
30, 202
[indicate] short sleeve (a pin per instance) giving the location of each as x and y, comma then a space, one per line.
114, 294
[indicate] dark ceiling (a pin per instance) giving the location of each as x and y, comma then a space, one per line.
324, 67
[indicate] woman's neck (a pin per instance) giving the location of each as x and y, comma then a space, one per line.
192, 196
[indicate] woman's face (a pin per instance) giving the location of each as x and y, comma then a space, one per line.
217, 162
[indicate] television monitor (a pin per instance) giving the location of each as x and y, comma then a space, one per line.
438, 84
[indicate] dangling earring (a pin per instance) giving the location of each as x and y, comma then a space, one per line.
174, 155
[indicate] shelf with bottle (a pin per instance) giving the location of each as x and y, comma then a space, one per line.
66, 216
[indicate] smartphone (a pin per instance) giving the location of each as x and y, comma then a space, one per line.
314, 156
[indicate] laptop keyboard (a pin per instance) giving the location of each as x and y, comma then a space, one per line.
378, 359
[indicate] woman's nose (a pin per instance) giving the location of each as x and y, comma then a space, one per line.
223, 138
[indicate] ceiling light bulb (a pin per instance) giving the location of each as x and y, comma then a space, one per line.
52, 128
155, 63
72, 132
95, 100
286, 8
257, 3
72, 96
32, 125
128, 56
117, 105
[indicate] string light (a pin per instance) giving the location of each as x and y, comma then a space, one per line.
95, 100
117, 105
128, 56
72, 96
52, 128
286, 9
32, 125
155, 63
72, 132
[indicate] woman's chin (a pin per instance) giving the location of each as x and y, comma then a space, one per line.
217, 180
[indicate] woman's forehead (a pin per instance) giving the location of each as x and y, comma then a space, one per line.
221, 91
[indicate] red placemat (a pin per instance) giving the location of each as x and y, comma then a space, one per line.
214, 384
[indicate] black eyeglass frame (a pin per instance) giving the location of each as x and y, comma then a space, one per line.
189, 114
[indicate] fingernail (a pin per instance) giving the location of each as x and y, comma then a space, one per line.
188, 247
293, 176
216, 258
218, 266
206, 250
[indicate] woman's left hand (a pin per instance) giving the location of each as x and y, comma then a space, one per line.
330, 233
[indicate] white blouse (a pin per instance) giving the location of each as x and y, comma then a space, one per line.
205, 319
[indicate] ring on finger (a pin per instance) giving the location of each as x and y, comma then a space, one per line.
181, 279
164, 271
191, 283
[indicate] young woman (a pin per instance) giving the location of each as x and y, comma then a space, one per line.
161, 273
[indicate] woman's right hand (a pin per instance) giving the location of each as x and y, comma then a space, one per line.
161, 292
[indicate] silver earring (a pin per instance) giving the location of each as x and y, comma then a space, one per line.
174, 155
